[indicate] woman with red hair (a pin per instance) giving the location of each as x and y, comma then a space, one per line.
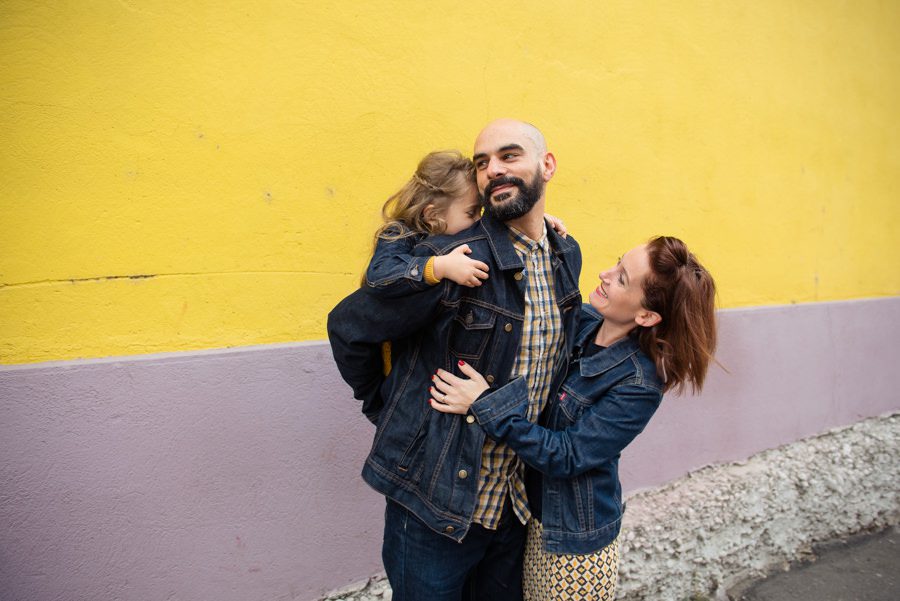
649, 327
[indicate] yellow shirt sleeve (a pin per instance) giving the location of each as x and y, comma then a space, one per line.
429, 272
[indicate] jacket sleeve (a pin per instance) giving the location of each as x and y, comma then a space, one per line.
600, 433
360, 323
394, 270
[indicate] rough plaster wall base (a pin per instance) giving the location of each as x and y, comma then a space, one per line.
713, 527
698, 535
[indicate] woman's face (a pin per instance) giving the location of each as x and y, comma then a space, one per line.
620, 294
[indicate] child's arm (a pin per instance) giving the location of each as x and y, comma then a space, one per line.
394, 271
557, 224
456, 266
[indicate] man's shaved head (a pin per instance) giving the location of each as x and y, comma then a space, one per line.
512, 166
512, 126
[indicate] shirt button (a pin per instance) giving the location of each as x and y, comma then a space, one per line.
508, 327
449, 529
470, 419
463, 474
518, 276
490, 379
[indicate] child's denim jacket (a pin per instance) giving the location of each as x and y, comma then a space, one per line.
394, 270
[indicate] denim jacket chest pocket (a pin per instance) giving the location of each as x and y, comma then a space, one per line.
470, 331
571, 405
576, 395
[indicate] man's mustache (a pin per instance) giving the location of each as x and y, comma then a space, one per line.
502, 181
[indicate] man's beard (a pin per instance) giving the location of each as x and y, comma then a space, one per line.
520, 204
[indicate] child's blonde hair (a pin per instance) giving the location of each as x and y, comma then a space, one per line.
440, 178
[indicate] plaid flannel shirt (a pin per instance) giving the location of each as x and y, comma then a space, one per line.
542, 340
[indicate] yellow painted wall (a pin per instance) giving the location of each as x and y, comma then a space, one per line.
237, 153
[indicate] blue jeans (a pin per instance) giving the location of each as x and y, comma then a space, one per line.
423, 565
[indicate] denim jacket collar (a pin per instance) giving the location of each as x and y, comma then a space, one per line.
502, 247
598, 363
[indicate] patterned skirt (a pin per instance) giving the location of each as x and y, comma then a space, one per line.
547, 576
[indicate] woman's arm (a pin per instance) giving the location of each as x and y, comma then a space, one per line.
604, 429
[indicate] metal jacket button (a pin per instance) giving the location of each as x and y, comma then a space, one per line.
449, 529
518, 276
463, 474
508, 327
490, 379
470, 419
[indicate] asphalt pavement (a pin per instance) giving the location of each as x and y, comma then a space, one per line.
865, 567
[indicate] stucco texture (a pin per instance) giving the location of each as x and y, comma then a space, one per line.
200, 175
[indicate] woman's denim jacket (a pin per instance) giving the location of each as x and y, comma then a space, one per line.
426, 460
605, 401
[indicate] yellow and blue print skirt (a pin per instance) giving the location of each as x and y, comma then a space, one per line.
548, 576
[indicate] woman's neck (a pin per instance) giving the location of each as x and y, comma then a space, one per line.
609, 333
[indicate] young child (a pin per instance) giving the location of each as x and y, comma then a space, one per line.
440, 198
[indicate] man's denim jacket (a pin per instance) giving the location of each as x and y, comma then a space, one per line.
426, 460
604, 403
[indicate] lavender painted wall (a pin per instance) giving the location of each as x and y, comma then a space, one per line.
792, 371
234, 475
224, 475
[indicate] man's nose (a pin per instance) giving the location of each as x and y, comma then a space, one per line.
495, 168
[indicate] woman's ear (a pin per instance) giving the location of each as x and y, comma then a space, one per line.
647, 319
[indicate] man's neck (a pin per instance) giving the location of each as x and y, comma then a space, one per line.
531, 223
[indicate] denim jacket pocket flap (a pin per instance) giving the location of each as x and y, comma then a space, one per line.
471, 330
473, 317
571, 404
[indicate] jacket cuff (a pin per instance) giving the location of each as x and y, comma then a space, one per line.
429, 273
511, 398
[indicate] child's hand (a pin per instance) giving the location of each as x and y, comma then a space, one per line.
456, 266
557, 224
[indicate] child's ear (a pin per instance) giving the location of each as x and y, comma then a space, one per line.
428, 213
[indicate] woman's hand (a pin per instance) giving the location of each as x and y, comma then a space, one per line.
452, 394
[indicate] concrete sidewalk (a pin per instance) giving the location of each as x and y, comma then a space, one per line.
865, 567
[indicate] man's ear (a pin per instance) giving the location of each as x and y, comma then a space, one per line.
549, 166
647, 318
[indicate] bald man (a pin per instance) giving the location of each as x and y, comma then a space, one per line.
456, 500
